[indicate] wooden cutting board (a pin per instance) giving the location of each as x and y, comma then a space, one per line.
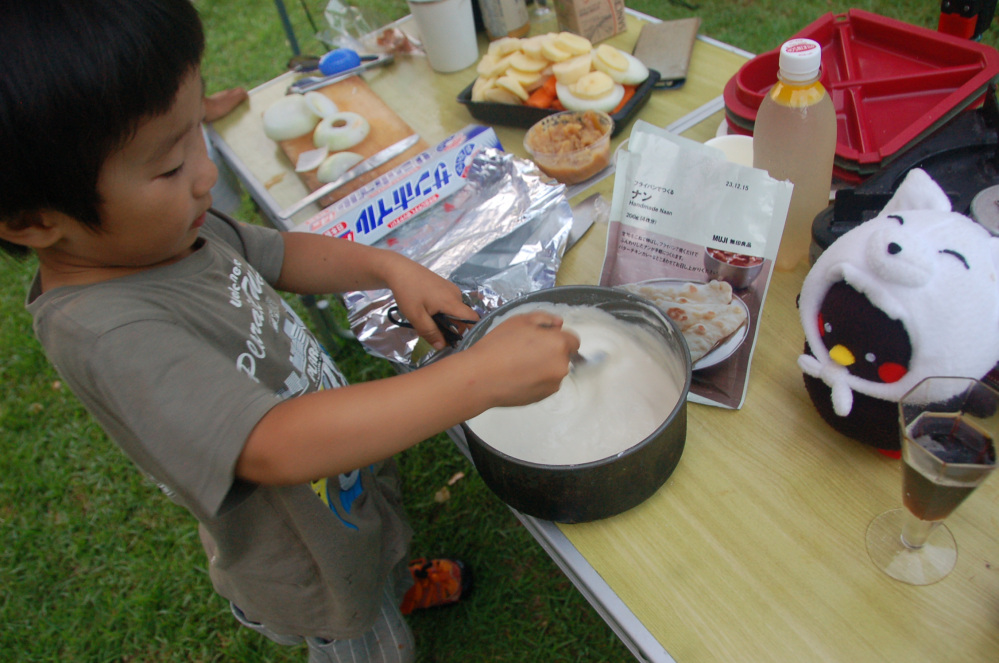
387, 128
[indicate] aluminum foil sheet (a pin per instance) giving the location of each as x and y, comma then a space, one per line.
499, 237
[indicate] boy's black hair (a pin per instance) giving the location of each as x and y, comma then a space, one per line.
78, 76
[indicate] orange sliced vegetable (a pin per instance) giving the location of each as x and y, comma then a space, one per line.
629, 92
544, 95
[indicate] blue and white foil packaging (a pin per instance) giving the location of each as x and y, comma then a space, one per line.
389, 201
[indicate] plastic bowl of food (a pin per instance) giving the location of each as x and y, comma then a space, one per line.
735, 268
571, 146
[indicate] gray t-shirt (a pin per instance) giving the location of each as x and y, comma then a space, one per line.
178, 364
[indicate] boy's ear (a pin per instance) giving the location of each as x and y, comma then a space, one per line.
37, 229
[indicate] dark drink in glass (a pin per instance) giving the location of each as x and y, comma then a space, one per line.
929, 492
948, 425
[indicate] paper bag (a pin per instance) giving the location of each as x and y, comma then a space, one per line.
697, 235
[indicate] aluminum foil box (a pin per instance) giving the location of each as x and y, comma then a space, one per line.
384, 204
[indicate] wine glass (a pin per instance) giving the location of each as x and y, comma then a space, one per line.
948, 425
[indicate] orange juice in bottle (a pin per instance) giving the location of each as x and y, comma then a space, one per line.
794, 138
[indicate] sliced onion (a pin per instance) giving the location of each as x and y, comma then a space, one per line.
312, 159
289, 117
341, 131
320, 104
336, 165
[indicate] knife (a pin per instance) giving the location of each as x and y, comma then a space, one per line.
594, 208
309, 83
370, 163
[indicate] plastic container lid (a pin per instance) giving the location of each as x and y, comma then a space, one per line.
800, 60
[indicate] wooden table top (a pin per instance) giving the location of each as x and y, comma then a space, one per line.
754, 549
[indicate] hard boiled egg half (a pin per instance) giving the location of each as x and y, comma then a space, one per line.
622, 67
593, 91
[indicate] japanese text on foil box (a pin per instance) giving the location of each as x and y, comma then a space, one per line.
385, 203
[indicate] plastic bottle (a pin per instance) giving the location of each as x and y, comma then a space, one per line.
543, 18
794, 139
505, 18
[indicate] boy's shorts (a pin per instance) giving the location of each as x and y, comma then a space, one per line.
390, 640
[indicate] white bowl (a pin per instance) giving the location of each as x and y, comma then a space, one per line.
737, 149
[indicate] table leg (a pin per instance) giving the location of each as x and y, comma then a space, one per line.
288, 30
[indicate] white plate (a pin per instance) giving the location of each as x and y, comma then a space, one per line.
721, 352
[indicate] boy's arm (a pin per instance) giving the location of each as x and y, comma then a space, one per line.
314, 264
334, 431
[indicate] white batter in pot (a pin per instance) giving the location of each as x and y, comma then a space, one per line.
600, 410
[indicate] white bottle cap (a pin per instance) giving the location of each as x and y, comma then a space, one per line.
800, 60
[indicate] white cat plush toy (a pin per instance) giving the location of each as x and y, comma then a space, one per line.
911, 293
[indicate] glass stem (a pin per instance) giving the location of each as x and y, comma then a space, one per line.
916, 531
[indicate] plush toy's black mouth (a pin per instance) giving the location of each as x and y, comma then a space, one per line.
859, 335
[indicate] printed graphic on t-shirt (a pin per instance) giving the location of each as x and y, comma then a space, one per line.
313, 364
312, 368
340, 493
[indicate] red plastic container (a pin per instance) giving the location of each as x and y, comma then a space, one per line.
892, 84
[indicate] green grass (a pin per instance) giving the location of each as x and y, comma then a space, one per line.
97, 565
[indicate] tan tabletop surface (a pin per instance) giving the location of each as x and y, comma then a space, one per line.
754, 549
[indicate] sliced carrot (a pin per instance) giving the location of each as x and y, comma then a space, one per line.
629, 92
557, 105
544, 95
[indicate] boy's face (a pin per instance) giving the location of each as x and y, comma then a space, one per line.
155, 190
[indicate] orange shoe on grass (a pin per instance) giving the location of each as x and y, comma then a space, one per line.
436, 583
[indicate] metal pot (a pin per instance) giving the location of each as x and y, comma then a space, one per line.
589, 491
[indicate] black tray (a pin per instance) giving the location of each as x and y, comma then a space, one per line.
492, 112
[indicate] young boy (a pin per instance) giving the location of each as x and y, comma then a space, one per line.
164, 320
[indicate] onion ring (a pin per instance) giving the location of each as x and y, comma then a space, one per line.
341, 131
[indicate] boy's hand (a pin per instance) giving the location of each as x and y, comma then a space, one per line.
315, 264
524, 359
420, 294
